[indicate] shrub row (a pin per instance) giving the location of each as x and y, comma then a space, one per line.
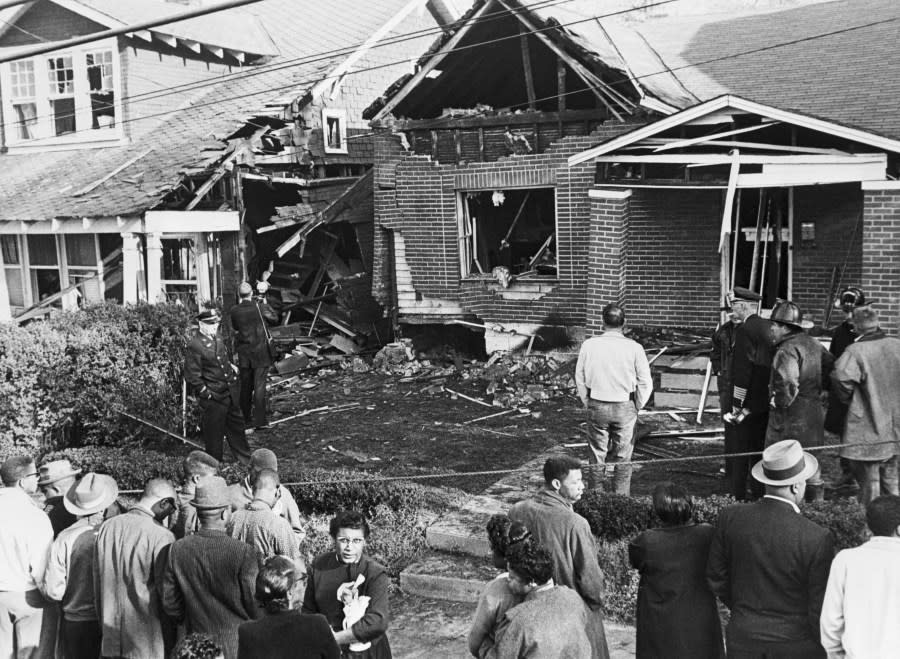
78, 370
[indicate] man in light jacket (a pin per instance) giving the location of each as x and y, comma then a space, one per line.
862, 600
867, 378
613, 380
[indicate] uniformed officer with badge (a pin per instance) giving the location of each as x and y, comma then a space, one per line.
209, 369
750, 371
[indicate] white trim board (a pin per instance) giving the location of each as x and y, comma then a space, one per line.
735, 102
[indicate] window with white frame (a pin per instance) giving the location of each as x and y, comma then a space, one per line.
334, 129
70, 96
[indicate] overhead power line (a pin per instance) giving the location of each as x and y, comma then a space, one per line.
135, 27
554, 26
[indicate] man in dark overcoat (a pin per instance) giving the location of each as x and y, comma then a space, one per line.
867, 379
799, 367
209, 580
208, 368
844, 335
247, 322
750, 368
720, 358
769, 564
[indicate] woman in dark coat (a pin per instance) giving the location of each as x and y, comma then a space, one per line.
334, 581
285, 632
676, 611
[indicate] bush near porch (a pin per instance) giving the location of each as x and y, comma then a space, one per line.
64, 380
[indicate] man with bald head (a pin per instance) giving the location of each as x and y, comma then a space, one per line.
241, 493
247, 322
258, 525
129, 557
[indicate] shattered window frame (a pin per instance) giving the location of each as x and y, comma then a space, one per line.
75, 97
468, 236
334, 130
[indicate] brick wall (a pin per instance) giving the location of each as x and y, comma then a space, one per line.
418, 197
835, 210
609, 221
881, 252
672, 269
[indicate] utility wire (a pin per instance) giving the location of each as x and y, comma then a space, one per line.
500, 39
305, 60
520, 470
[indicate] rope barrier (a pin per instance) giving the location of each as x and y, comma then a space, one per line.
520, 470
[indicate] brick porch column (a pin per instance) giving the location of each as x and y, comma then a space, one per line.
606, 253
881, 250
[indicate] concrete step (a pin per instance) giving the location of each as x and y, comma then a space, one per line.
450, 577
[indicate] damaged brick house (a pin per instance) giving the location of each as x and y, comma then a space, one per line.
139, 167
654, 164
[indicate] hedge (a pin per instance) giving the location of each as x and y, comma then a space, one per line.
616, 519
69, 377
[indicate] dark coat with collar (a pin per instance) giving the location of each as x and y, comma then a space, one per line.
287, 635
751, 363
246, 322
769, 565
207, 368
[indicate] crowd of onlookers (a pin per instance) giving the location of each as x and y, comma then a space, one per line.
205, 571
788, 595
210, 571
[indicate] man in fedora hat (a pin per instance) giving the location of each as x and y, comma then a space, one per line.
769, 564
24, 543
799, 367
69, 578
750, 366
867, 379
247, 322
208, 368
54, 480
196, 468
210, 579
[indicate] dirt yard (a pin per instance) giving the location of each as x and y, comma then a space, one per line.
414, 427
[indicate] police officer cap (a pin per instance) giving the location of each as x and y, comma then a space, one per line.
208, 316
741, 293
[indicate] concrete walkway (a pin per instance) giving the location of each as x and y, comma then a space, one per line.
431, 617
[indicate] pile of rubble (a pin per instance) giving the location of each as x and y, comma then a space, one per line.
505, 380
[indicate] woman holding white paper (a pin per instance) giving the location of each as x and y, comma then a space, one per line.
351, 591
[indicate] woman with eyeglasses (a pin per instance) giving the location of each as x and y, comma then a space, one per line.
284, 632
351, 591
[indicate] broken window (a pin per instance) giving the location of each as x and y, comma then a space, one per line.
100, 82
514, 229
334, 127
61, 76
68, 95
43, 261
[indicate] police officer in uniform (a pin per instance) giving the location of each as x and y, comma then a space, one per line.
750, 371
248, 320
208, 368
720, 359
